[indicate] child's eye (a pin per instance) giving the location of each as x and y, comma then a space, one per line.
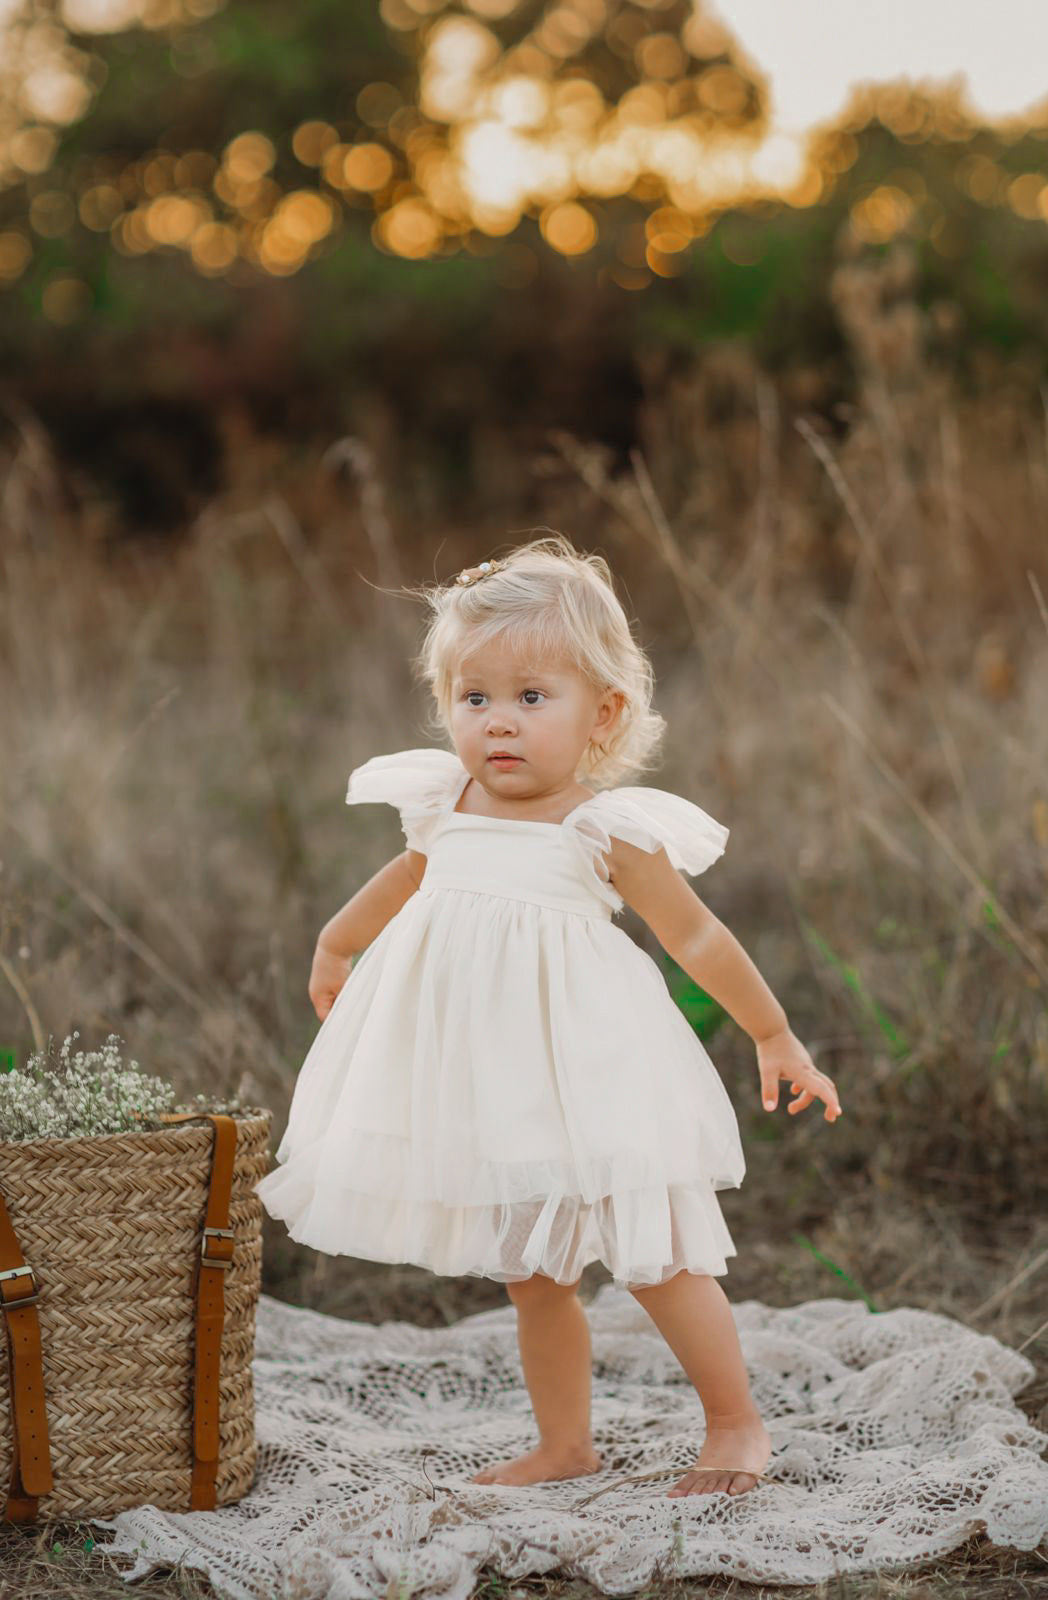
472, 695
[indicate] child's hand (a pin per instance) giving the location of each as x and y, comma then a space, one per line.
783, 1056
328, 975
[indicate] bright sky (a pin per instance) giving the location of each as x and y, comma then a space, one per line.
812, 51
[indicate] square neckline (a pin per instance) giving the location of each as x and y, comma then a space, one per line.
516, 822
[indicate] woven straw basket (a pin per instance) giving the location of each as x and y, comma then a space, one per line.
130, 1270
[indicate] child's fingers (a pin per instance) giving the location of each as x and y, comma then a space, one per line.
828, 1091
832, 1099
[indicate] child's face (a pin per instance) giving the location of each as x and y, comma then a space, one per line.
544, 715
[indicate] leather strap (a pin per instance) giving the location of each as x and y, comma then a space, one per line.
30, 1444
20, 1290
216, 1255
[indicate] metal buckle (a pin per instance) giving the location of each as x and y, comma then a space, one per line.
217, 1233
26, 1299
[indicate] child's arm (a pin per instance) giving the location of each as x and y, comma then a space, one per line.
711, 955
360, 920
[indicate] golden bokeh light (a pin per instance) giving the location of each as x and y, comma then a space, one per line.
704, 36
65, 299
1027, 195
367, 167
439, 177
15, 255
248, 157
173, 219
660, 55
278, 250
409, 228
377, 103
32, 149
510, 124
100, 206
881, 215
981, 178
496, 221
101, 16
311, 141
130, 232
195, 169
577, 105
520, 102
668, 230
644, 106
723, 90
213, 248
807, 191
664, 266
458, 51
608, 169
492, 10
332, 165
304, 217
158, 173
569, 229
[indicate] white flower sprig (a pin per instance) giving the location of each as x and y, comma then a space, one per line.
91, 1092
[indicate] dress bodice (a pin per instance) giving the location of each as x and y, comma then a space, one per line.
539, 862
561, 864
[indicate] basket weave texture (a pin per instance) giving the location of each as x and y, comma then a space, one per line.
112, 1226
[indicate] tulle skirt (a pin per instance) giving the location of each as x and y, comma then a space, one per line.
503, 1088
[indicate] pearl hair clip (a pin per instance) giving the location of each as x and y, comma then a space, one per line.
470, 575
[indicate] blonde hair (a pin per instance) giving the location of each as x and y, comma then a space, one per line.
548, 600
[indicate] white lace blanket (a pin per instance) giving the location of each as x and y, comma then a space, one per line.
895, 1438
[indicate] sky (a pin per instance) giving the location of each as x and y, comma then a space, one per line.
812, 51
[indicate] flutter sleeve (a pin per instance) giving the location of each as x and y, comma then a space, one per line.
422, 784
651, 819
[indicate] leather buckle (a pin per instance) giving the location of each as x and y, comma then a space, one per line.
216, 1261
26, 1299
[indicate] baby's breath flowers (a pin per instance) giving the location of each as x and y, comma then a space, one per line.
88, 1093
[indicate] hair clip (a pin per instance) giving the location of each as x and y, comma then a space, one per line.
470, 575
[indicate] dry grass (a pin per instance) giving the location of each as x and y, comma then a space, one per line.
849, 630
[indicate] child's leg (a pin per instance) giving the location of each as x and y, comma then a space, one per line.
554, 1340
692, 1313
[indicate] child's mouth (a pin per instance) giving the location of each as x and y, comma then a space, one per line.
505, 761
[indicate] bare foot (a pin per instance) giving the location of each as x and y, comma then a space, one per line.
541, 1465
729, 1443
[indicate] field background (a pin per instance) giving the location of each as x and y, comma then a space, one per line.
250, 388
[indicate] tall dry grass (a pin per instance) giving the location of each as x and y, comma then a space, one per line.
850, 630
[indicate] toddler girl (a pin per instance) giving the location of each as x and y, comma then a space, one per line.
501, 1084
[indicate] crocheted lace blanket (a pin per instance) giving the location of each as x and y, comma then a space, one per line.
895, 1435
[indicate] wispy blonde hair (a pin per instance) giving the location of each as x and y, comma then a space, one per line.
549, 600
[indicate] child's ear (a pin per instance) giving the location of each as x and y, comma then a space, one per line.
617, 701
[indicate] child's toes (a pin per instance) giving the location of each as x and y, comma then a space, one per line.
741, 1482
700, 1483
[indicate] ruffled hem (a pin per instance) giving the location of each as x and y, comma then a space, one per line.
389, 1165
643, 1236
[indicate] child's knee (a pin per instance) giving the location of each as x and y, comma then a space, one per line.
539, 1287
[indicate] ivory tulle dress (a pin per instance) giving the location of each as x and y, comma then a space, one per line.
503, 1084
